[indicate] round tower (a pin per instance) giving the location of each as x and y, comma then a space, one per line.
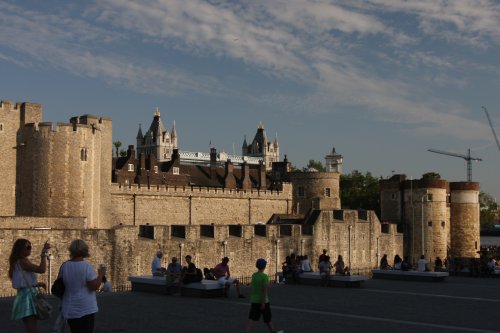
464, 216
426, 212
65, 169
313, 189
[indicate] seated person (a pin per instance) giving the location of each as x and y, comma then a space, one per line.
306, 265
208, 273
438, 265
224, 278
324, 270
422, 264
384, 263
397, 262
340, 268
156, 268
190, 272
405, 264
173, 272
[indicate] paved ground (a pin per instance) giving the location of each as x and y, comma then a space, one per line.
457, 305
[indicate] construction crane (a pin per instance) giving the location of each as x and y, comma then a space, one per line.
467, 157
491, 125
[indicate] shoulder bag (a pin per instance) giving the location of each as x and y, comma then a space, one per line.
58, 287
42, 307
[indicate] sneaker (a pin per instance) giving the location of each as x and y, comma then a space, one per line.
241, 296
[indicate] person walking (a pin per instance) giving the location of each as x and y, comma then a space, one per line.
22, 273
259, 298
79, 303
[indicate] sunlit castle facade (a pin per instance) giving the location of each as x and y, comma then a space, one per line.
157, 140
260, 147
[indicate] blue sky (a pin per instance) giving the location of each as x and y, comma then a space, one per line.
382, 81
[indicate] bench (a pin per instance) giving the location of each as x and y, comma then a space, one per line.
204, 289
394, 274
334, 280
314, 278
148, 283
158, 284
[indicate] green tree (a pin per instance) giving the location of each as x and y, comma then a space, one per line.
431, 175
123, 153
360, 191
487, 210
316, 165
117, 145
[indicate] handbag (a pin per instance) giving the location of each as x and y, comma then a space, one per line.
43, 308
58, 287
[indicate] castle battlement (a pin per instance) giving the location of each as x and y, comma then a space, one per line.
46, 128
198, 191
17, 106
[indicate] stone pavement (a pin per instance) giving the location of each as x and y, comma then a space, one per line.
456, 305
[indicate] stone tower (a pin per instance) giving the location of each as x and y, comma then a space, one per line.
12, 120
64, 170
314, 189
157, 140
261, 147
464, 219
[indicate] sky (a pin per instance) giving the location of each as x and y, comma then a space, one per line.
382, 81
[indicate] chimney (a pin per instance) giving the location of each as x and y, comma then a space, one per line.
245, 177
213, 163
229, 181
262, 176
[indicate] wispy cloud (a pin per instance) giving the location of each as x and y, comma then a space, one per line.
327, 47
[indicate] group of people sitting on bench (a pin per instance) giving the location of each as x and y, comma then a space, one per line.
405, 265
177, 275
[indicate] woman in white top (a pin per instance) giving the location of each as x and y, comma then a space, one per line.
22, 272
79, 303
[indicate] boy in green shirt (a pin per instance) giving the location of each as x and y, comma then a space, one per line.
259, 298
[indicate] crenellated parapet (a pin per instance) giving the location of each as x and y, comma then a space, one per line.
117, 188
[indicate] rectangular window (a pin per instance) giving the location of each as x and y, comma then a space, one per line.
235, 230
178, 231
83, 154
147, 231
155, 168
429, 196
327, 192
175, 170
207, 231
260, 230
285, 230
307, 230
130, 167
384, 228
1, 127
393, 196
301, 191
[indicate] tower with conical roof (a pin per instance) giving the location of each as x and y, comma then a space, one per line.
157, 140
261, 147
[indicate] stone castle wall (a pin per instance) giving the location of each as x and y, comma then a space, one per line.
128, 250
164, 205
34, 222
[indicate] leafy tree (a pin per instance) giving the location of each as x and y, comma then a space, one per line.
488, 209
431, 175
123, 153
117, 145
358, 191
316, 165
